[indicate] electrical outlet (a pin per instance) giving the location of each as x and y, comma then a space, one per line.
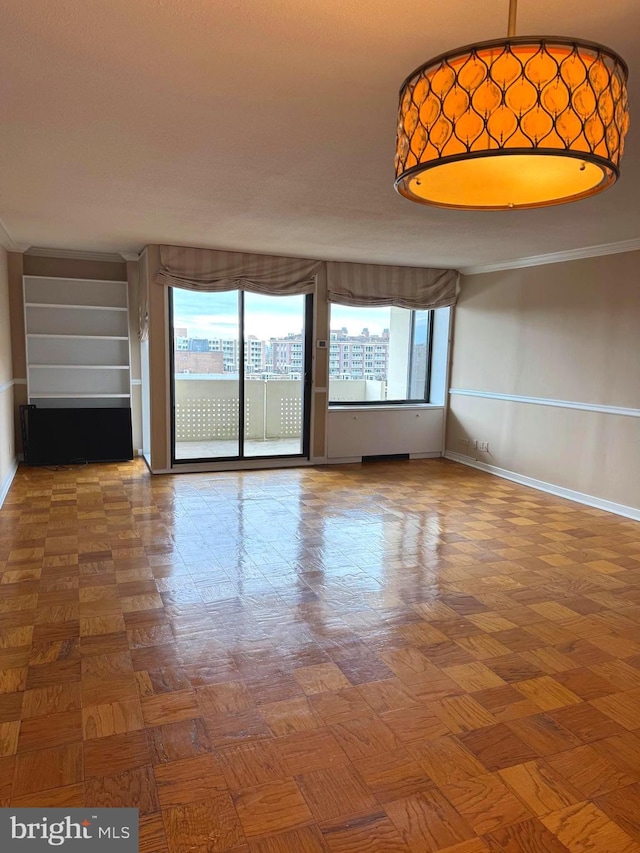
484, 446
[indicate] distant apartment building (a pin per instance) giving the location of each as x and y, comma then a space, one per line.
255, 352
181, 339
287, 354
229, 349
362, 356
198, 362
198, 345
255, 355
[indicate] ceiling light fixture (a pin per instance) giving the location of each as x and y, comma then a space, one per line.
527, 121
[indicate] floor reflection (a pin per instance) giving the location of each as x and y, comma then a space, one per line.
335, 658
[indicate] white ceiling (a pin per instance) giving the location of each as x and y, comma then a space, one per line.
264, 126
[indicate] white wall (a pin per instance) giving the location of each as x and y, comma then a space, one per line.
370, 431
145, 400
399, 344
546, 369
8, 461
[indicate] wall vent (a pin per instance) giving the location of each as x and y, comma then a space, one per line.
386, 457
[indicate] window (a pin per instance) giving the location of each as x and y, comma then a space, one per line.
401, 341
227, 407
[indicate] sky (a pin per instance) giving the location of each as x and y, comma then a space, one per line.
214, 315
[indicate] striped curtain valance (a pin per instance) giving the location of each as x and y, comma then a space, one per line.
213, 270
402, 287
136, 274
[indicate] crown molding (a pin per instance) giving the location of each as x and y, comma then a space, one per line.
556, 257
130, 256
7, 242
42, 252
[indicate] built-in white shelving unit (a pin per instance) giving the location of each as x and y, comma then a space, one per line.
77, 342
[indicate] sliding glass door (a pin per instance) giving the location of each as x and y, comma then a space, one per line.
241, 370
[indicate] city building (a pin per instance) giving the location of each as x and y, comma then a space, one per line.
361, 356
255, 355
255, 352
229, 349
197, 361
287, 354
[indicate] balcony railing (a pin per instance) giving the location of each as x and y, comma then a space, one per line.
206, 409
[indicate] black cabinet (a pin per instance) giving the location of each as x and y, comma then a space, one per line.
63, 436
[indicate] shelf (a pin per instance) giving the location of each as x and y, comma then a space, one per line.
64, 319
69, 402
70, 325
75, 293
78, 307
82, 366
83, 280
77, 352
86, 337
84, 396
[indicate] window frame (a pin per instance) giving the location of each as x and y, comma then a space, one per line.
335, 404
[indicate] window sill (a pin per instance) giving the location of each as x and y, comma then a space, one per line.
390, 407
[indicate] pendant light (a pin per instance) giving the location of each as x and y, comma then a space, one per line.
527, 121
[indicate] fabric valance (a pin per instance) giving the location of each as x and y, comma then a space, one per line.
213, 270
136, 275
347, 283
403, 287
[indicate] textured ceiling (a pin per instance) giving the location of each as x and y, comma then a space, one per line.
242, 124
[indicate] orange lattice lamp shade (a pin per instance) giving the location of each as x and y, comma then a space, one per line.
527, 122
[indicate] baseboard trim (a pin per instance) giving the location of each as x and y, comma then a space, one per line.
264, 464
8, 480
542, 486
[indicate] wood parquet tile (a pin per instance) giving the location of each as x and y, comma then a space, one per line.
409, 657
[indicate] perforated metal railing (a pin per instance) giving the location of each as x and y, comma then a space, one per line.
207, 417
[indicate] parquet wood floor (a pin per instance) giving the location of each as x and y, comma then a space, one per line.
393, 657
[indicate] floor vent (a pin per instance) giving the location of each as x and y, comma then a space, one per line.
386, 457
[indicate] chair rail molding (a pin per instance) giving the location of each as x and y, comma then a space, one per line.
547, 401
